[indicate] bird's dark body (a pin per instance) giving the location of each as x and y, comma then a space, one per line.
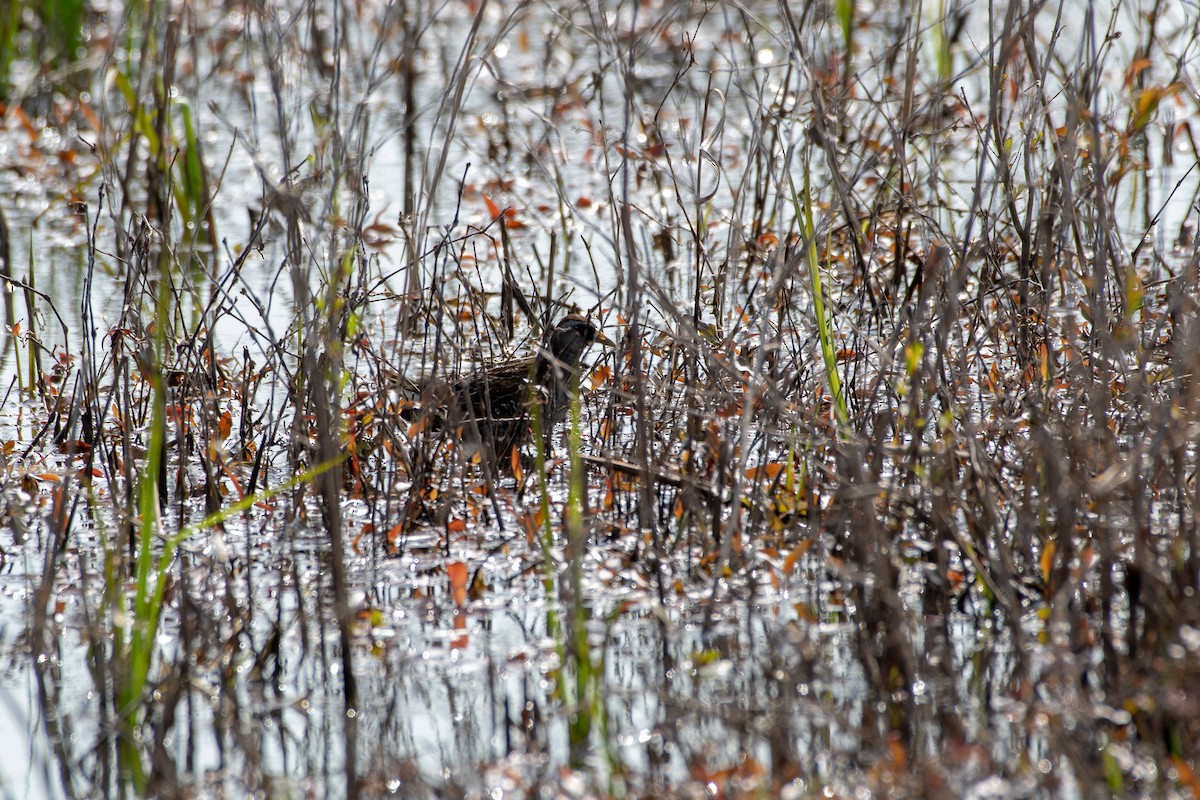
492, 407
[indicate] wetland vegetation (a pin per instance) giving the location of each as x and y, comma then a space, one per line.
887, 486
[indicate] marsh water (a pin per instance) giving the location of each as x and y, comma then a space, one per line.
703, 597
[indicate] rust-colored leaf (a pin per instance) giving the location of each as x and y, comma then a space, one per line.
224, 424
600, 376
366, 529
514, 458
804, 613
898, 751
1187, 776
25, 121
90, 116
457, 572
76, 446
493, 210
955, 578
531, 523
789, 563
1046, 562
768, 471
1136, 67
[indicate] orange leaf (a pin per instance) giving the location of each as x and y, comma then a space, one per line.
531, 523
1136, 68
456, 526
225, 424
457, 571
600, 376
789, 563
76, 446
805, 613
514, 457
1186, 775
421, 423
1047, 560
26, 123
492, 208
90, 116
898, 751
769, 471
956, 579
367, 528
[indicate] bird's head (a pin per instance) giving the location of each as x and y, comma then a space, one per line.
571, 337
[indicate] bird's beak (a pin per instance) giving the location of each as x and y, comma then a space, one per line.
603, 340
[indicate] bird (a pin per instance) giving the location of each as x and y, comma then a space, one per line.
493, 406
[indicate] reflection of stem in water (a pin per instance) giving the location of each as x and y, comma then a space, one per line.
7, 288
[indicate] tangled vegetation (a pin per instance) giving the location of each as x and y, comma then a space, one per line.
887, 485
